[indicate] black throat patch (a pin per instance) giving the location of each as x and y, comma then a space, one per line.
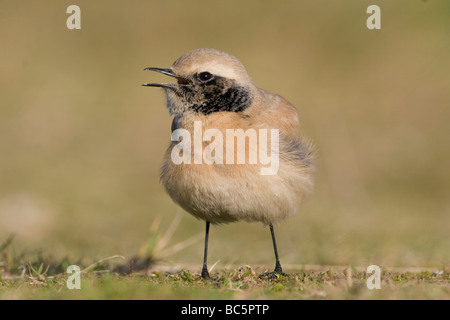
218, 95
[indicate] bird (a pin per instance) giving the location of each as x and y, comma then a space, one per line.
214, 93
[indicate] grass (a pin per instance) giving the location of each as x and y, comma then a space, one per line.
146, 276
235, 283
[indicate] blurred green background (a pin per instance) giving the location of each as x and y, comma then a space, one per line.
81, 142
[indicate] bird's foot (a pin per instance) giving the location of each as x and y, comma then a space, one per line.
275, 274
205, 275
272, 275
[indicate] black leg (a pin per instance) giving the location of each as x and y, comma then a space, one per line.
278, 269
205, 273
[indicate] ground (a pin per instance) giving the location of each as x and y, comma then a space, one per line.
102, 280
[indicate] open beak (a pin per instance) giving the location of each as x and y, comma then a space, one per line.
167, 72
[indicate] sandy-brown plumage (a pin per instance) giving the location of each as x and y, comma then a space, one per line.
221, 193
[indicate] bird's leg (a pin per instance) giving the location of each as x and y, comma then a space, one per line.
205, 273
278, 269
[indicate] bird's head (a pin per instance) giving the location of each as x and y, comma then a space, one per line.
208, 81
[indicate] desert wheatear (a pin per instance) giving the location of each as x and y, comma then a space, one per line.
235, 152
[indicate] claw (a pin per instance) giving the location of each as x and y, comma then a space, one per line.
273, 275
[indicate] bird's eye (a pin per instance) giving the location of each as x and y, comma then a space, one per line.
204, 76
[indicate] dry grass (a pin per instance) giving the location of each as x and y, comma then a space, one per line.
148, 276
235, 283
